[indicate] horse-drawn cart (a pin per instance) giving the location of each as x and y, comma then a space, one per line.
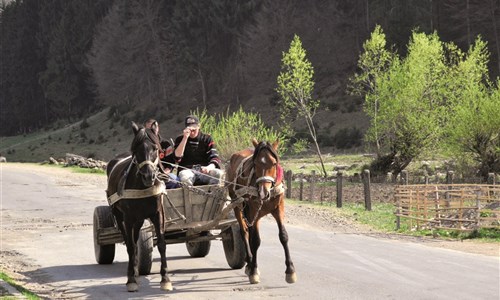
193, 215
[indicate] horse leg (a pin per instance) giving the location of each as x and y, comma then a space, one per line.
165, 283
279, 214
244, 234
131, 237
252, 270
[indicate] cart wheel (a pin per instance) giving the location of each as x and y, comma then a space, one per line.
145, 252
104, 254
234, 248
198, 249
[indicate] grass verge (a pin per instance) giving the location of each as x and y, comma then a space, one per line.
381, 218
26, 293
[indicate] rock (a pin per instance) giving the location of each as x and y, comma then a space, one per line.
82, 162
53, 161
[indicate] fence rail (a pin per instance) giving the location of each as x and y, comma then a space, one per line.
461, 207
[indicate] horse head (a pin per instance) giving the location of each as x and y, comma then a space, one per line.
265, 160
145, 151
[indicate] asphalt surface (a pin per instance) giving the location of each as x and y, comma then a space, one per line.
46, 237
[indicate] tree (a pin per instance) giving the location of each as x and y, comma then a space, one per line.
473, 130
128, 57
66, 34
295, 87
373, 62
404, 98
22, 103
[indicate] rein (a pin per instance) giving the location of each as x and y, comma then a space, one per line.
252, 191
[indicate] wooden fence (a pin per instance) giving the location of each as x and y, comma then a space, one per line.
461, 207
435, 202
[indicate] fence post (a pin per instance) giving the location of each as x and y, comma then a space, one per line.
339, 189
398, 210
426, 178
491, 178
288, 179
311, 186
449, 180
390, 178
301, 193
404, 177
366, 183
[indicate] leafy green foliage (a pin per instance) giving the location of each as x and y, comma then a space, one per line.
411, 99
234, 131
295, 82
473, 132
473, 128
295, 87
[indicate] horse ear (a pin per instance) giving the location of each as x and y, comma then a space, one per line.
254, 142
275, 145
135, 128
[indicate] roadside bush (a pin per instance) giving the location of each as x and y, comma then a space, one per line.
234, 131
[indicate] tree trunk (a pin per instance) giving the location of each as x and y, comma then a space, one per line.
312, 132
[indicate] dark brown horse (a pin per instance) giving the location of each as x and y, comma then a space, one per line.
257, 176
137, 195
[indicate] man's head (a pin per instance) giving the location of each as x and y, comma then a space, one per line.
153, 125
193, 124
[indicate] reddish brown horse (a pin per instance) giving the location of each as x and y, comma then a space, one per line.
257, 176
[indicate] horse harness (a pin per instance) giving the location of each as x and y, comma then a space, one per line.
248, 192
123, 193
154, 190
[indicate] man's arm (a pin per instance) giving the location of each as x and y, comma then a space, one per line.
179, 149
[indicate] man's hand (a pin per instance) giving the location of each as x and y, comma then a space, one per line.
186, 132
207, 169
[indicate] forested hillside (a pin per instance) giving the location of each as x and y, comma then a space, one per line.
63, 60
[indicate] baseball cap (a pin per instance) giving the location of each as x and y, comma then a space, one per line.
191, 121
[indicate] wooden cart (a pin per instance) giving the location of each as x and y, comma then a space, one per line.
193, 215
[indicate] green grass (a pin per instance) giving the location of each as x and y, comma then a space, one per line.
26, 293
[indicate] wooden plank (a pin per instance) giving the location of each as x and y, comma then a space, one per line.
188, 208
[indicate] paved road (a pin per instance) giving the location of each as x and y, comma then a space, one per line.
47, 222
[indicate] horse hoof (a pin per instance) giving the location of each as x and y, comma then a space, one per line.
291, 278
254, 279
166, 286
247, 271
132, 287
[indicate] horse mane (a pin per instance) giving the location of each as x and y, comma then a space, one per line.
142, 135
265, 145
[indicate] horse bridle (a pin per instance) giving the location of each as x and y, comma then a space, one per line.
153, 164
266, 178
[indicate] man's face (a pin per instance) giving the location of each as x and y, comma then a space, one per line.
195, 129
